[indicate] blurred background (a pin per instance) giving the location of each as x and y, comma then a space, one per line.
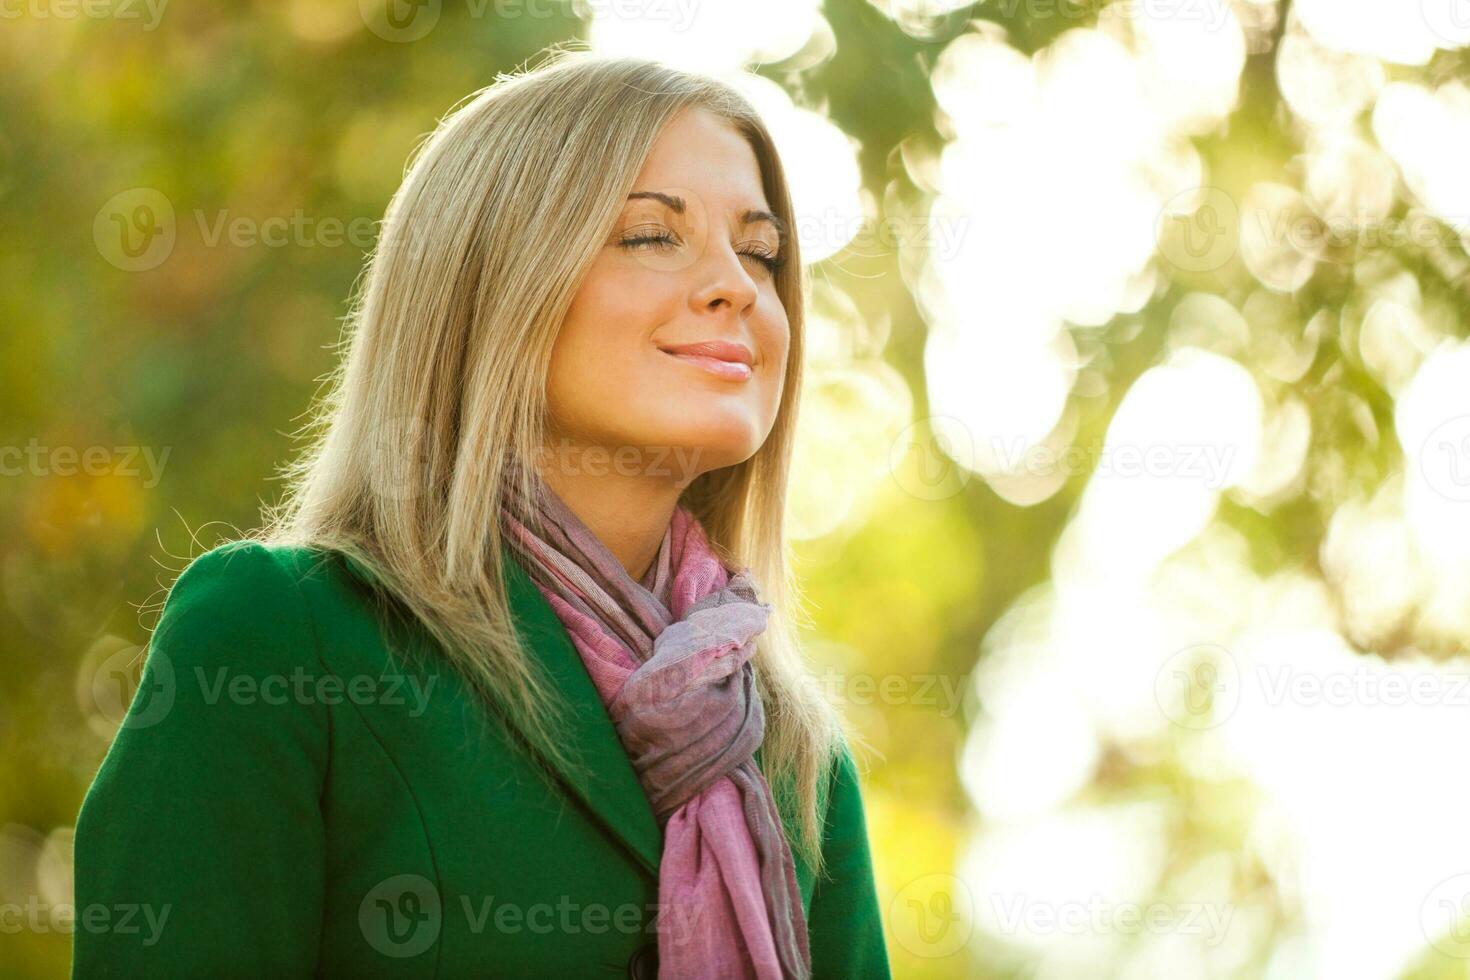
1133, 492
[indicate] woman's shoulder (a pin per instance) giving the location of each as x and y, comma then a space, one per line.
253, 570
206, 802
256, 605
234, 611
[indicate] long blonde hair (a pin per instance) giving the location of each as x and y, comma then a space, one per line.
501, 211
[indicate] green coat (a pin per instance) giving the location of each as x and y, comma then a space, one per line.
287, 799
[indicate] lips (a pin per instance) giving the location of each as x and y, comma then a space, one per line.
720, 350
721, 358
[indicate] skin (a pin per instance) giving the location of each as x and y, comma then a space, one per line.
654, 421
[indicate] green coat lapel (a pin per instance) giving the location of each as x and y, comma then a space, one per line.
611, 791
610, 788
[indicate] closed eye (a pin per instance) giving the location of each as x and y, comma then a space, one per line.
772, 263
657, 241
640, 242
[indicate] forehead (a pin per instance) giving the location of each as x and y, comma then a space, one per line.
702, 152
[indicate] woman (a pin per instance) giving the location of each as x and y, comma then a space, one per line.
507, 685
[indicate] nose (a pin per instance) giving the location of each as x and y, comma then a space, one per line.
724, 282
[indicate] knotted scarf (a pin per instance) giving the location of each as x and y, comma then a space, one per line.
670, 657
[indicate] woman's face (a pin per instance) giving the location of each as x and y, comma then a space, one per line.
689, 262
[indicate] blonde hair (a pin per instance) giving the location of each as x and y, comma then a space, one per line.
502, 209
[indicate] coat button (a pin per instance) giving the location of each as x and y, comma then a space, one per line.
643, 964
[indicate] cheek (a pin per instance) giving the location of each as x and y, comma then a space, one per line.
774, 337
618, 305
602, 347
611, 319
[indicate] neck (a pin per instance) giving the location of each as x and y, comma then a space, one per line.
628, 511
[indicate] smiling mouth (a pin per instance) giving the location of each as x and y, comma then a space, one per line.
728, 370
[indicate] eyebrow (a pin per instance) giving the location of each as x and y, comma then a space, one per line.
747, 217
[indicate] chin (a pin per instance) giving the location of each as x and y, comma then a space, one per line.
719, 457
719, 442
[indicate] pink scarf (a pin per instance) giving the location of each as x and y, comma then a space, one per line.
670, 657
